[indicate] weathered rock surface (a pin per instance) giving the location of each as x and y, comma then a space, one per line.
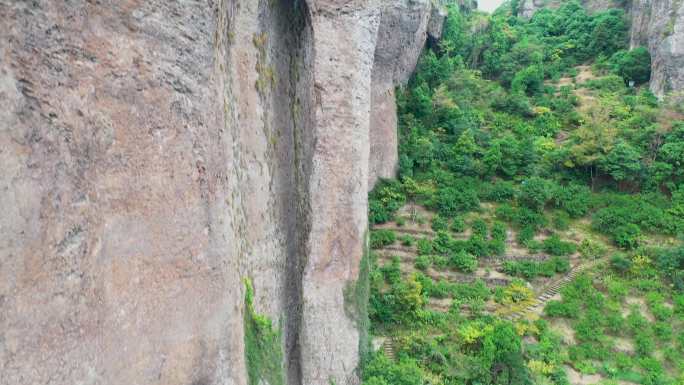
157, 153
659, 25
655, 24
527, 8
404, 27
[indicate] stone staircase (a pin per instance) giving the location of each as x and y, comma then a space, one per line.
551, 290
388, 349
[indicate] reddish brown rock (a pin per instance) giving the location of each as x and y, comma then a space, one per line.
154, 155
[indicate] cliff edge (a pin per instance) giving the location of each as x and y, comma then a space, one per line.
157, 154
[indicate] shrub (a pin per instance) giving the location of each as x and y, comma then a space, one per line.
381, 238
525, 217
633, 65
620, 263
497, 247
612, 83
505, 212
554, 246
643, 343
477, 246
380, 370
536, 193
440, 261
591, 250
662, 330
263, 349
458, 225
561, 221
424, 246
498, 231
617, 289
449, 201
501, 191
627, 236
439, 223
407, 240
463, 261
525, 235
386, 198
479, 228
423, 262
516, 292
574, 199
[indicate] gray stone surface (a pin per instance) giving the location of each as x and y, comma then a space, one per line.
659, 26
403, 30
155, 154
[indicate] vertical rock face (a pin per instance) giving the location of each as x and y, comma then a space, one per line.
117, 255
659, 25
157, 153
404, 27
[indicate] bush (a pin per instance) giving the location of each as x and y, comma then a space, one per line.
440, 261
381, 238
477, 246
591, 250
574, 199
423, 262
525, 217
525, 235
561, 221
620, 263
463, 261
536, 193
611, 83
479, 228
627, 236
449, 201
497, 247
499, 231
439, 223
407, 240
424, 246
633, 65
505, 212
383, 202
501, 191
458, 225
554, 246
380, 370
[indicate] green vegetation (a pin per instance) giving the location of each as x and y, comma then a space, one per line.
536, 150
263, 345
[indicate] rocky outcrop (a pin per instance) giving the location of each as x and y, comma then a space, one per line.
527, 8
659, 25
655, 24
155, 154
404, 27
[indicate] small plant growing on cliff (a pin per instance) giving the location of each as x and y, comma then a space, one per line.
263, 347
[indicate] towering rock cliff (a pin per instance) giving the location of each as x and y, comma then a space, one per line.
155, 154
659, 26
404, 27
655, 24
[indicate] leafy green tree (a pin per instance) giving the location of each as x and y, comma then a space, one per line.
536, 193
633, 65
623, 162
